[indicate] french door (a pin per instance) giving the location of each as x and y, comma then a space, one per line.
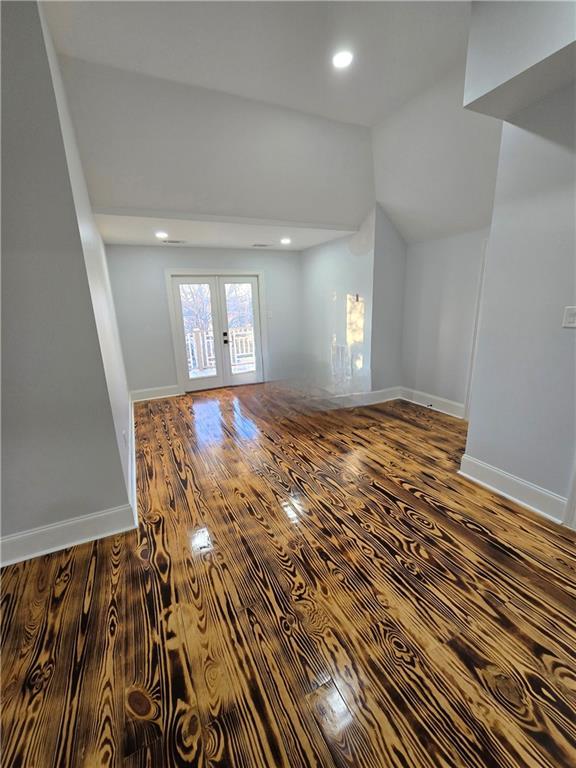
217, 330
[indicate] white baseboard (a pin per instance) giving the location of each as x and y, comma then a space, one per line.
67, 533
368, 398
534, 497
401, 393
451, 407
155, 393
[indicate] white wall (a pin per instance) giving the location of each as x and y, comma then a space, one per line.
435, 163
388, 303
522, 417
440, 300
506, 38
138, 281
98, 280
330, 273
156, 146
60, 455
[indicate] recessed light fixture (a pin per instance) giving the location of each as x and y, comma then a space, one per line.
161, 235
342, 59
285, 241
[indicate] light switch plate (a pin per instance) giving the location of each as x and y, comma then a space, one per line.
569, 320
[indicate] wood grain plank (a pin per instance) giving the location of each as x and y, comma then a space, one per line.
308, 586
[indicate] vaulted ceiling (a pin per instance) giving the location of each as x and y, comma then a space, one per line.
232, 112
279, 53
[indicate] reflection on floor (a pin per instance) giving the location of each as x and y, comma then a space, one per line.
308, 587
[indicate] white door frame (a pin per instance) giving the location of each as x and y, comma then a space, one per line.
173, 310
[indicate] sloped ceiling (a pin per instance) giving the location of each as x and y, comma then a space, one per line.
279, 53
435, 163
233, 110
153, 147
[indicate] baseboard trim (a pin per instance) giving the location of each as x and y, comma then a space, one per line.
373, 397
451, 407
67, 533
538, 499
368, 398
156, 393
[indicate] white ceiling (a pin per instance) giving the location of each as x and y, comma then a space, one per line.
157, 148
137, 230
185, 112
435, 163
278, 53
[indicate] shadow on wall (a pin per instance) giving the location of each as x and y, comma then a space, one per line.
558, 128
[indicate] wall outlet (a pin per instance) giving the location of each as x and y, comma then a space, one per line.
569, 320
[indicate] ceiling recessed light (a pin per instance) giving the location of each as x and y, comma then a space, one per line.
342, 59
285, 241
161, 235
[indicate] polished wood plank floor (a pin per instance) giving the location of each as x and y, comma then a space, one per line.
308, 587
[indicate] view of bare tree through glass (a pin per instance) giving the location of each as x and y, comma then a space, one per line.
240, 313
196, 305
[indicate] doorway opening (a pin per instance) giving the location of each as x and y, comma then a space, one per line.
217, 334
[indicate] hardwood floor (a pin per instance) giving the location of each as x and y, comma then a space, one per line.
308, 587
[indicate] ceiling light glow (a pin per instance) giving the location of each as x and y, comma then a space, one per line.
285, 241
342, 59
161, 235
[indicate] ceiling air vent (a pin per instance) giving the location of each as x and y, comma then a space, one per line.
260, 245
173, 242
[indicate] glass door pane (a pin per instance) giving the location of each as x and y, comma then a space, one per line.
241, 320
216, 330
197, 318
